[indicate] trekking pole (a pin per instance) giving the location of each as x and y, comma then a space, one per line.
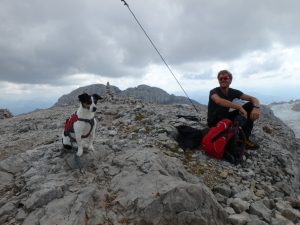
162, 58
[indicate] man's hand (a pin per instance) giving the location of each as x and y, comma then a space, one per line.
243, 112
254, 115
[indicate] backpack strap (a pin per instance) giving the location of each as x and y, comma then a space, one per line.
238, 131
91, 122
223, 133
69, 126
235, 149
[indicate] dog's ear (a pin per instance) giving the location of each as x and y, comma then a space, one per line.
97, 97
83, 97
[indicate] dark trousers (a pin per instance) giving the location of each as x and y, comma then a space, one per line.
248, 125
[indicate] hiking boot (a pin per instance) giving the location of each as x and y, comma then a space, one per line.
250, 145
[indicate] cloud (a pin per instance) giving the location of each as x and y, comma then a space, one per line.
49, 48
204, 75
42, 42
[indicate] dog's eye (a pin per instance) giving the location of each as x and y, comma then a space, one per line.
87, 104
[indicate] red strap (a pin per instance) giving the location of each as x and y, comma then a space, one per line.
70, 123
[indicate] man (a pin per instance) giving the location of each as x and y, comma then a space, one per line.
220, 103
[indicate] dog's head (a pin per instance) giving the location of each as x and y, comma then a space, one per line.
89, 101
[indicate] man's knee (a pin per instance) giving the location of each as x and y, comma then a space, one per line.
248, 107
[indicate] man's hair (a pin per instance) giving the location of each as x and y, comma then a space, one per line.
225, 72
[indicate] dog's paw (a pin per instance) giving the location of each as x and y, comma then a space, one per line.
91, 148
79, 152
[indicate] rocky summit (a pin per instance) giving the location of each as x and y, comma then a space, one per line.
139, 175
142, 92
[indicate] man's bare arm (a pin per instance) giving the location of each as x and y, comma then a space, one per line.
225, 103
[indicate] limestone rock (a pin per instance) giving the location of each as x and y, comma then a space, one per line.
139, 175
259, 209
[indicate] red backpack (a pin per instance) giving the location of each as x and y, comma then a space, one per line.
214, 142
69, 125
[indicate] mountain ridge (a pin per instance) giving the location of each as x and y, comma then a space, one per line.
142, 92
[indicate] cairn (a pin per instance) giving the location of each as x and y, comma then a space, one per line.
5, 113
109, 95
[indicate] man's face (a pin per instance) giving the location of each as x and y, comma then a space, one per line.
224, 80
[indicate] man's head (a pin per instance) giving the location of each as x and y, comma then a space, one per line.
224, 78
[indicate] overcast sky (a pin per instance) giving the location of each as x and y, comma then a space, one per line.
49, 48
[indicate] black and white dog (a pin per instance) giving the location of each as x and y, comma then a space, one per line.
82, 124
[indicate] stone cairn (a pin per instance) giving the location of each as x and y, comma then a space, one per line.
5, 113
109, 95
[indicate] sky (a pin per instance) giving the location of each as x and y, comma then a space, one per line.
49, 48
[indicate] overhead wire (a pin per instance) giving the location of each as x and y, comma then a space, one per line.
158, 52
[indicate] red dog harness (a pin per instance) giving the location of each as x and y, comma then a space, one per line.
69, 125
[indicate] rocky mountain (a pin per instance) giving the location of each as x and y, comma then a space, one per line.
289, 113
143, 92
139, 175
154, 95
72, 97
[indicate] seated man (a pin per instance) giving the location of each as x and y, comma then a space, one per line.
220, 103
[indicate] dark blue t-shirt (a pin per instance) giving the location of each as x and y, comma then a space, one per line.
216, 112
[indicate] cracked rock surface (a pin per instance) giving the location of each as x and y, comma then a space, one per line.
139, 175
